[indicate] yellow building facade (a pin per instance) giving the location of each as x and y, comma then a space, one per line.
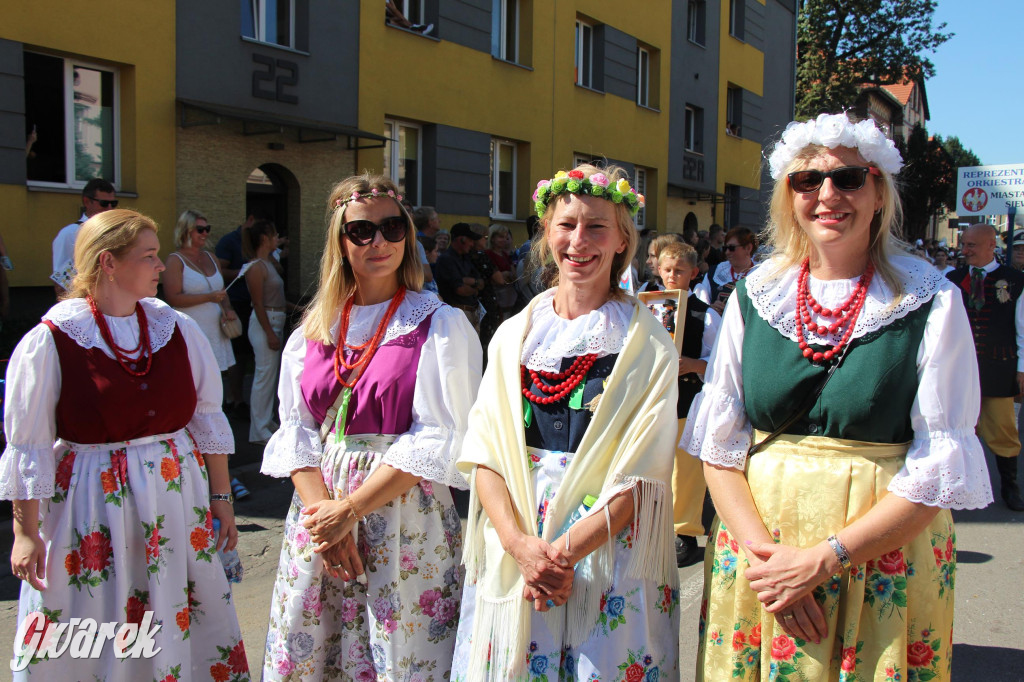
96, 83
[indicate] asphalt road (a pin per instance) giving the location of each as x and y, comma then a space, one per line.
988, 631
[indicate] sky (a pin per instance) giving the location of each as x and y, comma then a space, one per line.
977, 93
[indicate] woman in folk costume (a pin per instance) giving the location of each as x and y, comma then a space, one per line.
375, 391
850, 365
569, 454
116, 441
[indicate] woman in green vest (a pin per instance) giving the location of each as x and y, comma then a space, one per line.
847, 362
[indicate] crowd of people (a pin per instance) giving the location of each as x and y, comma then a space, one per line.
818, 385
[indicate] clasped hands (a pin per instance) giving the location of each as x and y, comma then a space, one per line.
546, 570
783, 578
330, 524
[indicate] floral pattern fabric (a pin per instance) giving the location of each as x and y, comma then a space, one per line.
118, 544
889, 619
398, 625
636, 636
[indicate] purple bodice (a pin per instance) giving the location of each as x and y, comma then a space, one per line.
381, 402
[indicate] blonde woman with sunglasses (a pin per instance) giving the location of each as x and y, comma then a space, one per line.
849, 366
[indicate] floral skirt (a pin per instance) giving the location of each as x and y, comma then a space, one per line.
400, 624
636, 636
128, 530
888, 619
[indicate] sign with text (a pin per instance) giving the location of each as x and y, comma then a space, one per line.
990, 190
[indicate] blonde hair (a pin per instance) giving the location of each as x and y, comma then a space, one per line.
183, 229
540, 250
661, 241
679, 250
115, 231
496, 229
790, 245
337, 281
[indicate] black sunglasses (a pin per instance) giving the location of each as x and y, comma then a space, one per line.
845, 179
105, 203
732, 247
204, 229
361, 232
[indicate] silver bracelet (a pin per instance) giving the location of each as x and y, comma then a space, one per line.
841, 552
222, 497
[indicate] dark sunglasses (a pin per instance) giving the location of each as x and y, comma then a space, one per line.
732, 247
845, 179
361, 232
204, 229
105, 203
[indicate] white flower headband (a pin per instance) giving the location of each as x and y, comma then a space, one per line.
372, 194
835, 130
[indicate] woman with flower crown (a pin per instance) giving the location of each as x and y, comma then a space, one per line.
569, 553
117, 462
849, 366
376, 386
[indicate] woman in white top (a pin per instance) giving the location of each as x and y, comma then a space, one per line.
193, 284
717, 286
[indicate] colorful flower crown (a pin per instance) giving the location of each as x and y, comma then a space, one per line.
372, 194
835, 130
597, 185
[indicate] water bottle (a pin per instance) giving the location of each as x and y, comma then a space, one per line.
232, 563
585, 506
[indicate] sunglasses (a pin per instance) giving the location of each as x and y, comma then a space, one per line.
204, 229
361, 232
105, 203
845, 179
732, 247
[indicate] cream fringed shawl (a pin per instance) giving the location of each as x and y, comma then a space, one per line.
629, 445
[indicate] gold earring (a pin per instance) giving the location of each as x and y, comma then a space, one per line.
111, 278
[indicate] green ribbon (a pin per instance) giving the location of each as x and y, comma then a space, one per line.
341, 418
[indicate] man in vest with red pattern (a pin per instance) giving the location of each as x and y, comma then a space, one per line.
995, 307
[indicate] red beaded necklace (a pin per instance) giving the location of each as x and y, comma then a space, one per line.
845, 316
124, 355
370, 346
568, 379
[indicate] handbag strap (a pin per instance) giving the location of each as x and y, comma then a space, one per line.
804, 408
332, 414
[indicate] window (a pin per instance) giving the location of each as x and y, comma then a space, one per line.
737, 9
73, 108
269, 21
412, 10
503, 179
505, 30
693, 133
402, 153
643, 76
734, 111
584, 54
640, 185
696, 13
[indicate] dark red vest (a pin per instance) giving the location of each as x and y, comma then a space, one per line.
101, 403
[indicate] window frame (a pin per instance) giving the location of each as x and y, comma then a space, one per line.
583, 27
406, 7
499, 41
393, 158
67, 84
259, 13
734, 111
496, 144
640, 185
693, 129
737, 16
643, 76
696, 21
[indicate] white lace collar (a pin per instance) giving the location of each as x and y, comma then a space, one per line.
723, 273
551, 338
364, 320
74, 318
775, 299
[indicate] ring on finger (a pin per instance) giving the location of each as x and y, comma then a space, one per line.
336, 566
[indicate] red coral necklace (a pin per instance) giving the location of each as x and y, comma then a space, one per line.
567, 379
845, 316
124, 356
369, 348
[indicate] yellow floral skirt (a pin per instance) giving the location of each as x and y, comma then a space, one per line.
888, 619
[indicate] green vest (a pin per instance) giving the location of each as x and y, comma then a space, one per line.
868, 398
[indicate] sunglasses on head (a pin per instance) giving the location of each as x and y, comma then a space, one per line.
204, 229
105, 203
845, 179
361, 232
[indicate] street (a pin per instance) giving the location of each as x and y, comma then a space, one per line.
989, 639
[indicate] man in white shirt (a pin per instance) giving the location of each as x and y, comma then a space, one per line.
97, 197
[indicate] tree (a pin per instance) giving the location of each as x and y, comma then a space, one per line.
842, 44
960, 156
927, 181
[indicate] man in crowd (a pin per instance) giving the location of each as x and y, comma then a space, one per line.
97, 197
995, 308
716, 237
458, 282
427, 225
